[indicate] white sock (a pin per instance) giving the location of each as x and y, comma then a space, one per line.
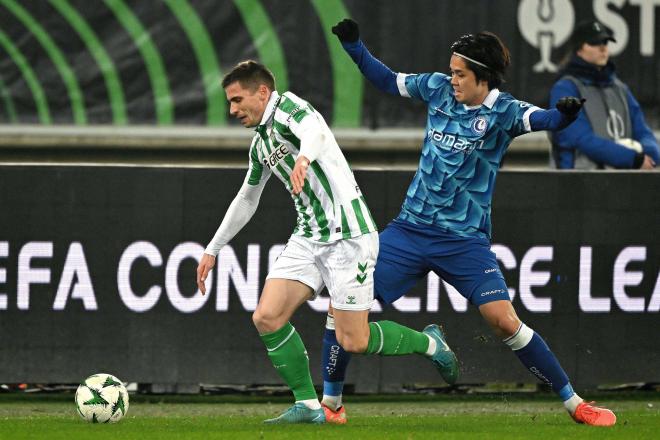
433, 346
572, 403
311, 403
332, 402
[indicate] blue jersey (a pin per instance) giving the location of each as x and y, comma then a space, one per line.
463, 146
463, 149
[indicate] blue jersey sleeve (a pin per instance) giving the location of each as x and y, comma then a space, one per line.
373, 69
422, 86
515, 115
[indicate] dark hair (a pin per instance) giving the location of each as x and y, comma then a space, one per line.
250, 75
488, 49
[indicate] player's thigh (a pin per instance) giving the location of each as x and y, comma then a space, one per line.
297, 262
471, 268
400, 264
279, 299
293, 279
347, 267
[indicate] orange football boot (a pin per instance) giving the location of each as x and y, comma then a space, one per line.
337, 417
593, 415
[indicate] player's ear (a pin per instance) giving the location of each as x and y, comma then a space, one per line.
264, 91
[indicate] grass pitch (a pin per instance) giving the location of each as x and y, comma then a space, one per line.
418, 417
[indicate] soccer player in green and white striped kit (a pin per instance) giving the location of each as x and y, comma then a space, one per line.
334, 243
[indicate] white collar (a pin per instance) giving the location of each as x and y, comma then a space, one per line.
489, 101
269, 111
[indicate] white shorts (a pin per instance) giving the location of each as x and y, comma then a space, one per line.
346, 267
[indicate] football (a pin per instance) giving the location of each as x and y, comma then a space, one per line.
102, 398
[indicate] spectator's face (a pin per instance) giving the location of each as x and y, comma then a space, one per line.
466, 88
247, 105
597, 54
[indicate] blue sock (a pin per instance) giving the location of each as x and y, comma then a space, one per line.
535, 354
334, 362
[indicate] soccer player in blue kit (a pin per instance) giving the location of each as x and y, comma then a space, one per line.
444, 223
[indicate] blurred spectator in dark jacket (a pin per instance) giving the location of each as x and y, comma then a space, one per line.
611, 131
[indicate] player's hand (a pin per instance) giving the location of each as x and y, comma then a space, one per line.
299, 173
570, 105
205, 266
347, 31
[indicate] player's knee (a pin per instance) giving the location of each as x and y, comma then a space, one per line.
506, 326
353, 343
266, 322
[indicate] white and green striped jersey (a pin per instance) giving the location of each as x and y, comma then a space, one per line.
331, 206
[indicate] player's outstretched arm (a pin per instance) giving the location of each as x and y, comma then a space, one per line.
564, 113
376, 72
240, 211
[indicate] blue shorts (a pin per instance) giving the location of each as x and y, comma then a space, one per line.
408, 252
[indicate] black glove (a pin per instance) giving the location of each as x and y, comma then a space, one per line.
347, 31
570, 105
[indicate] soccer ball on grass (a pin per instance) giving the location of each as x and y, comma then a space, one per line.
102, 398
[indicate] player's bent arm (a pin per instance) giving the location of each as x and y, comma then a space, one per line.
373, 69
312, 137
240, 211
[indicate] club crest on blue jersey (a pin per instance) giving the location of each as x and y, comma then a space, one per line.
479, 125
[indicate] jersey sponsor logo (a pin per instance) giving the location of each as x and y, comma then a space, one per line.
489, 270
479, 125
454, 143
278, 154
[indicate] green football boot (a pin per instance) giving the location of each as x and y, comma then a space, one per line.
299, 413
444, 359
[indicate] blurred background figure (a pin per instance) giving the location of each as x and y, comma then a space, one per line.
611, 131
